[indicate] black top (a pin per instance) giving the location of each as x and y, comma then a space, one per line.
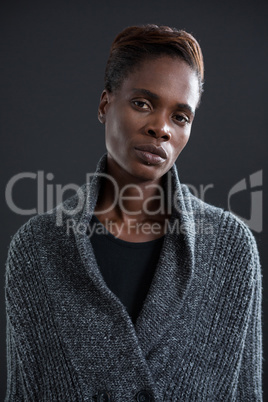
127, 268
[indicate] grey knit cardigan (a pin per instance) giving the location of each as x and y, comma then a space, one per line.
197, 338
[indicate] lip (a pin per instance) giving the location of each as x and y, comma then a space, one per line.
153, 150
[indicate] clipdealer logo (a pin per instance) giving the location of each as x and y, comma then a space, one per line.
50, 195
255, 222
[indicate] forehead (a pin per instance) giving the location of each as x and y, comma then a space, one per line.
168, 77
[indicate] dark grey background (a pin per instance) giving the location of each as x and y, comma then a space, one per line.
53, 57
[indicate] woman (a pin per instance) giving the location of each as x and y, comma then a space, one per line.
134, 289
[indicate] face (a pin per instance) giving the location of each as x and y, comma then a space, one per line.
148, 120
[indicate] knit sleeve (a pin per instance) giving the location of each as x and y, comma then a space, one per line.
250, 376
14, 378
20, 313
15, 259
34, 349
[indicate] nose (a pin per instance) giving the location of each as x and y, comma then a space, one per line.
158, 127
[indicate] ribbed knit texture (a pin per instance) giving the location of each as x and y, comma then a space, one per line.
197, 338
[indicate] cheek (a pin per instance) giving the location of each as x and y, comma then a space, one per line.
112, 131
116, 125
185, 139
117, 138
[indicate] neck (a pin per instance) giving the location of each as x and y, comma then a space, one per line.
125, 197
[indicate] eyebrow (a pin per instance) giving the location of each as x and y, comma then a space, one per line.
152, 95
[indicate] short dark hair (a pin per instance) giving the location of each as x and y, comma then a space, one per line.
137, 43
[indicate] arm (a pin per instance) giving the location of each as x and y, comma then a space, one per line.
38, 367
250, 376
17, 316
15, 386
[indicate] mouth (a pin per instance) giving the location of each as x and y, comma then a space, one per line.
151, 154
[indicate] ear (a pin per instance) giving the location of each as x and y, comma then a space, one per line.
103, 106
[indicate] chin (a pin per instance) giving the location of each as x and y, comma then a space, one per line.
147, 172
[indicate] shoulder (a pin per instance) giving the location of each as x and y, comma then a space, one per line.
23, 249
231, 235
29, 233
50, 223
228, 251
199, 206
228, 221
42, 236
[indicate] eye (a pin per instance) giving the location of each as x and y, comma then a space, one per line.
182, 118
141, 104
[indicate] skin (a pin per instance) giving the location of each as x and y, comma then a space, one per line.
154, 105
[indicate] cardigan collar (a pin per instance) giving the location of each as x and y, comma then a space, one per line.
176, 263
